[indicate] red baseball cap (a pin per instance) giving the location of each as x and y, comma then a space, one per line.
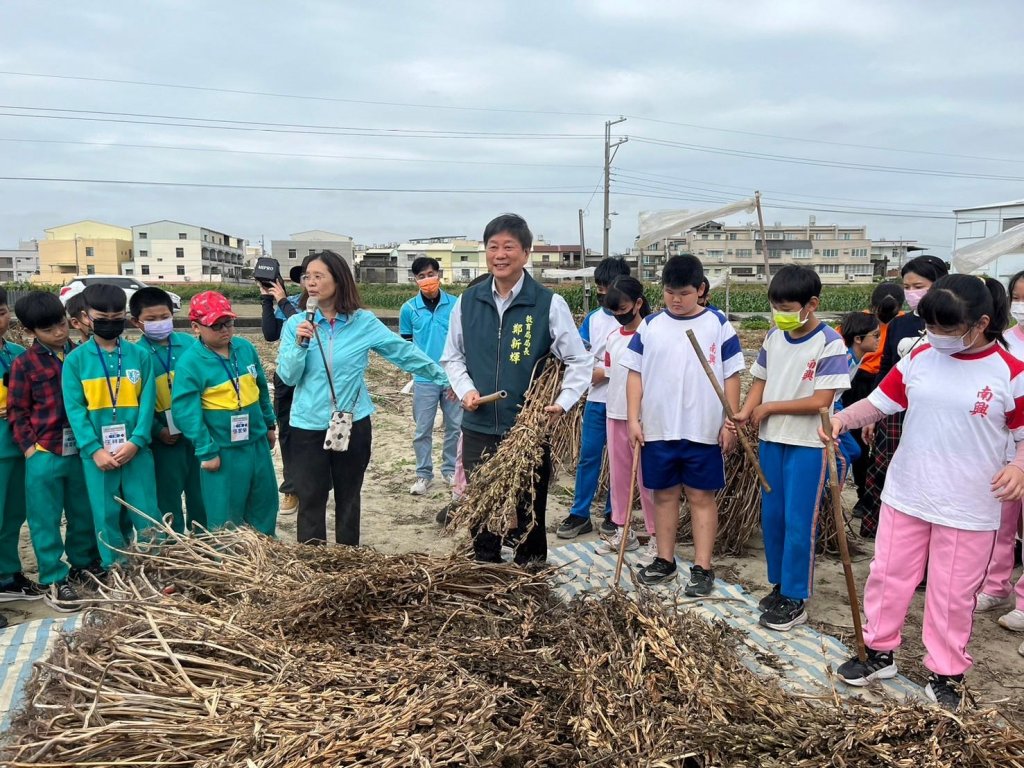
208, 307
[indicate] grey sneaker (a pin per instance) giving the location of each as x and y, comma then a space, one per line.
607, 527
879, 666
701, 582
657, 572
573, 526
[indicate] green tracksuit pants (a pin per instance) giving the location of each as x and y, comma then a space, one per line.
135, 482
12, 515
57, 485
243, 490
177, 472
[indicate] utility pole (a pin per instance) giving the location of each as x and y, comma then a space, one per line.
609, 155
583, 248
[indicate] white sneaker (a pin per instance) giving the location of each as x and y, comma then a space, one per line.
985, 603
652, 547
1013, 621
611, 546
419, 488
449, 480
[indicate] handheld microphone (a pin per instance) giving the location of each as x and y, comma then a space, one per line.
311, 307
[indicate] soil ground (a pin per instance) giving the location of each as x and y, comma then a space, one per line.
393, 521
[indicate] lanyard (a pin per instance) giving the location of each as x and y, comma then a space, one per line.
7, 358
167, 366
236, 381
114, 392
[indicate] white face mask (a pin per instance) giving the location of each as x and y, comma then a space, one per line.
948, 345
158, 330
1017, 311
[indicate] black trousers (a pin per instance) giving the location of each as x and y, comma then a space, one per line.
487, 546
315, 471
283, 408
860, 387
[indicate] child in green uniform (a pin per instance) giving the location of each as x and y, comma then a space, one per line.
177, 470
110, 398
222, 404
53, 469
78, 316
13, 585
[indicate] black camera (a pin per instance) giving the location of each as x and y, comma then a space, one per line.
267, 272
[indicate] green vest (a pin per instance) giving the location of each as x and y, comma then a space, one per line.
500, 354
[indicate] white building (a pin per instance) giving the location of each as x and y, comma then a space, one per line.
19, 265
291, 252
170, 251
981, 221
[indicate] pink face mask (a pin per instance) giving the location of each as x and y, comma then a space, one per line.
914, 296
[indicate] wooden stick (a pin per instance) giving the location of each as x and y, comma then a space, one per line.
629, 515
764, 239
844, 548
492, 398
747, 447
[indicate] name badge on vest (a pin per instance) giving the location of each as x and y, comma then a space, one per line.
171, 429
114, 437
69, 446
240, 428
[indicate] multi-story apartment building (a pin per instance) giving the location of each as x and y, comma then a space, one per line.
981, 221
170, 251
378, 265
467, 262
291, 252
82, 248
889, 256
548, 256
839, 254
21, 264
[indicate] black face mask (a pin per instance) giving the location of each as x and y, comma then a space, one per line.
600, 299
626, 319
108, 329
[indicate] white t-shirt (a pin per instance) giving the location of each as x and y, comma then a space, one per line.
960, 409
793, 369
1015, 341
595, 329
679, 402
615, 346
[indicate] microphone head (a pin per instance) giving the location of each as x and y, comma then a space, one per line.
311, 304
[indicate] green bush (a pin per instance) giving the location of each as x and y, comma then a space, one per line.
755, 323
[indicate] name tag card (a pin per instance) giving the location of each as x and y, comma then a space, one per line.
114, 437
173, 430
240, 428
69, 446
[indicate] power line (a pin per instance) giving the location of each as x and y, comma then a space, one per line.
460, 108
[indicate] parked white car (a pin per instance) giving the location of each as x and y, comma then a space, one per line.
128, 284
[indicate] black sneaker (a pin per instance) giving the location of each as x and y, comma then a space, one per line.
3, 621
62, 597
879, 666
442, 517
784, 615
20, 588
701, 582
770, 600
859, 510
946, 690
607, 527
85, 576
657, 572
573, 526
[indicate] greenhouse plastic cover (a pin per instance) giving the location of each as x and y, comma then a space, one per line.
973, 257
655, 225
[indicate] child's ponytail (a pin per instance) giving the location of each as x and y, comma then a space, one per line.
629, 289
886, 301
1000, 317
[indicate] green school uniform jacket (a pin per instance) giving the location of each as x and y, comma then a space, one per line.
205, 396
163, 372
8, 448
91, 376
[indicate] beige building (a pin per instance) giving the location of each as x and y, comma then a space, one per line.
172, 251
839, 254
83, 248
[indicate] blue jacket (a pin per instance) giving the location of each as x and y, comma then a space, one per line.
429, 330
347, 347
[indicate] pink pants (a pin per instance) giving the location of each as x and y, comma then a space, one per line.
904, 547
1000, 568
620, 462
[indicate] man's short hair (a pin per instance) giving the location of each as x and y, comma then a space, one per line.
608, 269
421, 263
512, 224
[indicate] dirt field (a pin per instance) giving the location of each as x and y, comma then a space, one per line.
394, 521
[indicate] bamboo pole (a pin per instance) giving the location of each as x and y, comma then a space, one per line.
747, 447
844, 548
629, 515
492, 398
764, 239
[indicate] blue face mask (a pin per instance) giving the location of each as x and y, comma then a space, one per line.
158, 330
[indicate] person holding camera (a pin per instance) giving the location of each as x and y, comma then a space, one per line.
324, 355
278, 306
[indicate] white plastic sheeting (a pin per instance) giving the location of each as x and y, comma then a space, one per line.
973, 257
558, 272
655, 225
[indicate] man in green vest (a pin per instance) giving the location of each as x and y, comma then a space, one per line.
498, 330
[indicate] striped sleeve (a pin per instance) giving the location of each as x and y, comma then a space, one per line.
759, 368
633, 355
1015, 418
732, 353
890, 396
585, 329
832, 370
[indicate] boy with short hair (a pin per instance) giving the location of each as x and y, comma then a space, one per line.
177, 469
423, 320
13, 584
222, 404
110, 398
78, 316
594, 332
677, 418
53, 469
800, 369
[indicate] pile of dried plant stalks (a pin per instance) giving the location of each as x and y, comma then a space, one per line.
270, 654
509, 476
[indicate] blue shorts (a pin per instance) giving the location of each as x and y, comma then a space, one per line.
668, 463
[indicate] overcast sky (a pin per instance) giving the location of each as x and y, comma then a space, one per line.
723, 98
